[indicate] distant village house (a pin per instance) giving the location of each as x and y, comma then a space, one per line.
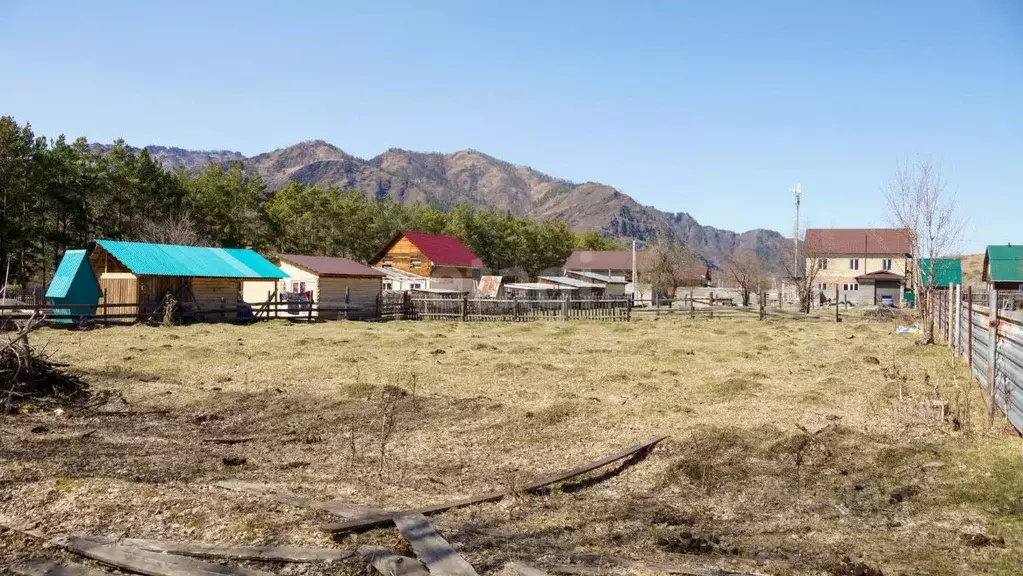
869, 266
1003, 267
445, 260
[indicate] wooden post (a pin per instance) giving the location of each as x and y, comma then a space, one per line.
711, 308
348, 298
465, 308
781, 296
969, 327
957, 325
837, 318
310, 307
106, 311
951, 313
692, 306
628, 308
763, 299
657, 301
564, 307
992, 353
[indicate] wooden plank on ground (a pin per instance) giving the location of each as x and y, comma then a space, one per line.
381, 519
232, 552
342, 509
390, 564
431, 549
149, 563
42, 567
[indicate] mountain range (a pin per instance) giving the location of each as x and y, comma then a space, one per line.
473, 178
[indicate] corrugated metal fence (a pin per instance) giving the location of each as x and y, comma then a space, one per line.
986, 329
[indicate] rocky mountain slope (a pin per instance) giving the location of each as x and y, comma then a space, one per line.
474, 178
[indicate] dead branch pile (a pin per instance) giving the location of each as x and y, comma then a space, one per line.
883, 314
28, 376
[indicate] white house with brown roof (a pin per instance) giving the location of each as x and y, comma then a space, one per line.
869, 266
329, 282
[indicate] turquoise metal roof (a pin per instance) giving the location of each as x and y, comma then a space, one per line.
946, 271
65, 274
173, 260
1003, 263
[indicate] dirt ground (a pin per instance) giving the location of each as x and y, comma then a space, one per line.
797, 446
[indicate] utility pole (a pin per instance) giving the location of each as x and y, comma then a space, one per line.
635, 283
797, 191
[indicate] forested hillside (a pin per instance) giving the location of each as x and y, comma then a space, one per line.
56, 194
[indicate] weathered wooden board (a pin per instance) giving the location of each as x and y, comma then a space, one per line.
381, 519
42, 567
231, 552
149, 563
431, 549
342, 509
390, 564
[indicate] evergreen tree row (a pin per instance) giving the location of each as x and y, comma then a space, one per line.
56, 195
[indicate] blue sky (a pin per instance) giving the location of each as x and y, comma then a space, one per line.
712, 108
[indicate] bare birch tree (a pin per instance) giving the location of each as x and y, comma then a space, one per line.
804, 271
667, 265
747, 269
918, 200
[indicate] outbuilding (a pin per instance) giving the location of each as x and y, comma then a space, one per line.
74, 285
330, 282
134, 277
1003, 267
613, 285
583, 288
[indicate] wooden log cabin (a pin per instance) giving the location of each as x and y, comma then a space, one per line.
449, 263
134, 277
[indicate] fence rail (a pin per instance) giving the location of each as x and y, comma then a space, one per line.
986, 329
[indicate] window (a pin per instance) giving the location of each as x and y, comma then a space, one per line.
824, 263
297, 286
850, 287
854, 263
822, 286
415, 286
388, 262
886, 264
416, 263
387, 285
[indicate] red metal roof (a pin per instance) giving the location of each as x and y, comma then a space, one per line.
855, 241
443, 250
330, 266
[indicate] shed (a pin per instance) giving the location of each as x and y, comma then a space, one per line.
73, 284
327, 279
585, 288
946, 271
401, 280
613, 285
881, 288
1003, 267
134, 277
537, 290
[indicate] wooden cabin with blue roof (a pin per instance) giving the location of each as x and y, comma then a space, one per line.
132, 278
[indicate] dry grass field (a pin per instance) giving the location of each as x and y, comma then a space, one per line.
795, 445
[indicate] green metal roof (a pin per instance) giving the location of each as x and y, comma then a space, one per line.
1003, 263
173, 260
946, 271
65, 274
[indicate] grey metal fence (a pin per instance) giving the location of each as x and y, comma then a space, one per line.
987, 331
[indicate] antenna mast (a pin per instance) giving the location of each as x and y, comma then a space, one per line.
797, 191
